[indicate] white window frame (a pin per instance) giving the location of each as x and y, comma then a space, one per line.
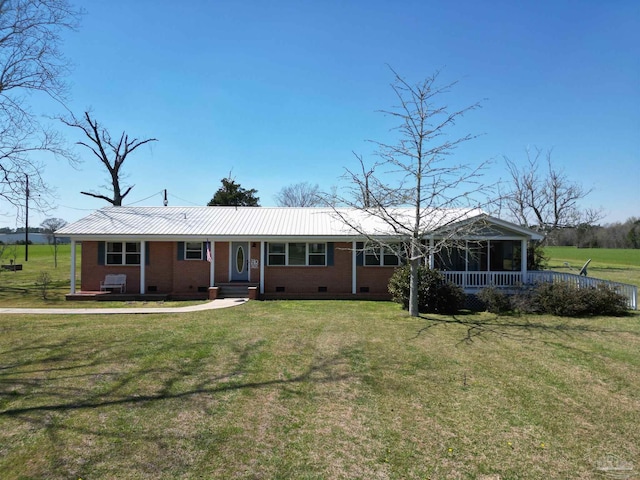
188, 250
124, 254
380, 252
307, 254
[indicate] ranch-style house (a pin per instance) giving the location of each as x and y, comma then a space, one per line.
276, 253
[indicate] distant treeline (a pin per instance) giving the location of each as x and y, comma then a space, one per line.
22, 230
613, 235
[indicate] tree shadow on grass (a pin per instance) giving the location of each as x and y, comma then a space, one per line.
322, 370
84, 396
521, 328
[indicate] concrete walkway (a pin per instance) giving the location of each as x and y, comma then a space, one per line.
218, 303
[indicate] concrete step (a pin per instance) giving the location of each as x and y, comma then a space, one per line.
234, 290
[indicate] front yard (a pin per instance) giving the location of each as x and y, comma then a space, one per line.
317, 390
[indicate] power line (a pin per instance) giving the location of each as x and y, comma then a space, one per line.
187, 201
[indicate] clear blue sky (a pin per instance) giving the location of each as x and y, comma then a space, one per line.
280, 92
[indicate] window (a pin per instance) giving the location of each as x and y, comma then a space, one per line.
387, 256
123, 253
452, 258
297, 254
505, 255
318, 254
277, 253
193, 251
477, 256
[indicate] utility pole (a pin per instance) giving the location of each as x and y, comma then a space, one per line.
26, 222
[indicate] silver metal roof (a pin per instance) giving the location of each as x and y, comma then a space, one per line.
240, 222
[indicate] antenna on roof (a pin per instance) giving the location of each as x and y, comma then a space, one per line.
165, 202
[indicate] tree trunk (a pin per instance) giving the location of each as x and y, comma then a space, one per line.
414, 282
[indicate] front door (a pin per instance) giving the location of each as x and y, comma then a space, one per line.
239, 262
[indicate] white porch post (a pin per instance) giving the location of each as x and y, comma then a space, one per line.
143, 261
354, 264
212, 270
523, 260
73, 266
262, 267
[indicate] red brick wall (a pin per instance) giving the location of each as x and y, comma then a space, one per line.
91, 274
159, 271
189, 275
375, 278
221, 262
170, 275
304, 282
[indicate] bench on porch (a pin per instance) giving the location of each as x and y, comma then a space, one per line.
113, 282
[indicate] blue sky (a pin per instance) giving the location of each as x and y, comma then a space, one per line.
281, 92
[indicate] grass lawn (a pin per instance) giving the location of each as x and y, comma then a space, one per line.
317, 390
615, 264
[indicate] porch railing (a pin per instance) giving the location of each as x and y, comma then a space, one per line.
471, 281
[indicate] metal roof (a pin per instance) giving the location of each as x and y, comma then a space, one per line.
239, 222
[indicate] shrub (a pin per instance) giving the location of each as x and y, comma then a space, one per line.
566, 300
435, 294
495, 300
43, 282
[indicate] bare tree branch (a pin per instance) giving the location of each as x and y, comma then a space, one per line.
30, 62
545, 200
299, 195
111, 154
414, 189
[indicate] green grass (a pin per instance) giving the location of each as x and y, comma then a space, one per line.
316, 390
618, 265
20, 288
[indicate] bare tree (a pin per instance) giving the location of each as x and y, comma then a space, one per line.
542, 197
111, 153
360, 190
30, 63
299, 195
414, 189
49, 227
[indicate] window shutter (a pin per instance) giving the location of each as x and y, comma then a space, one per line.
359, 254
266, 253
101, 250
330, 254
146, 253
204, 250
180, 251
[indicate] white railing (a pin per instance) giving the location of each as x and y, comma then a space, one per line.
478, 280
473, 280
630, 292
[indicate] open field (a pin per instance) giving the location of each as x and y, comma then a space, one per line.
618, 265
19, 288
317, 390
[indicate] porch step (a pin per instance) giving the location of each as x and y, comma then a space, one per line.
234, 290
